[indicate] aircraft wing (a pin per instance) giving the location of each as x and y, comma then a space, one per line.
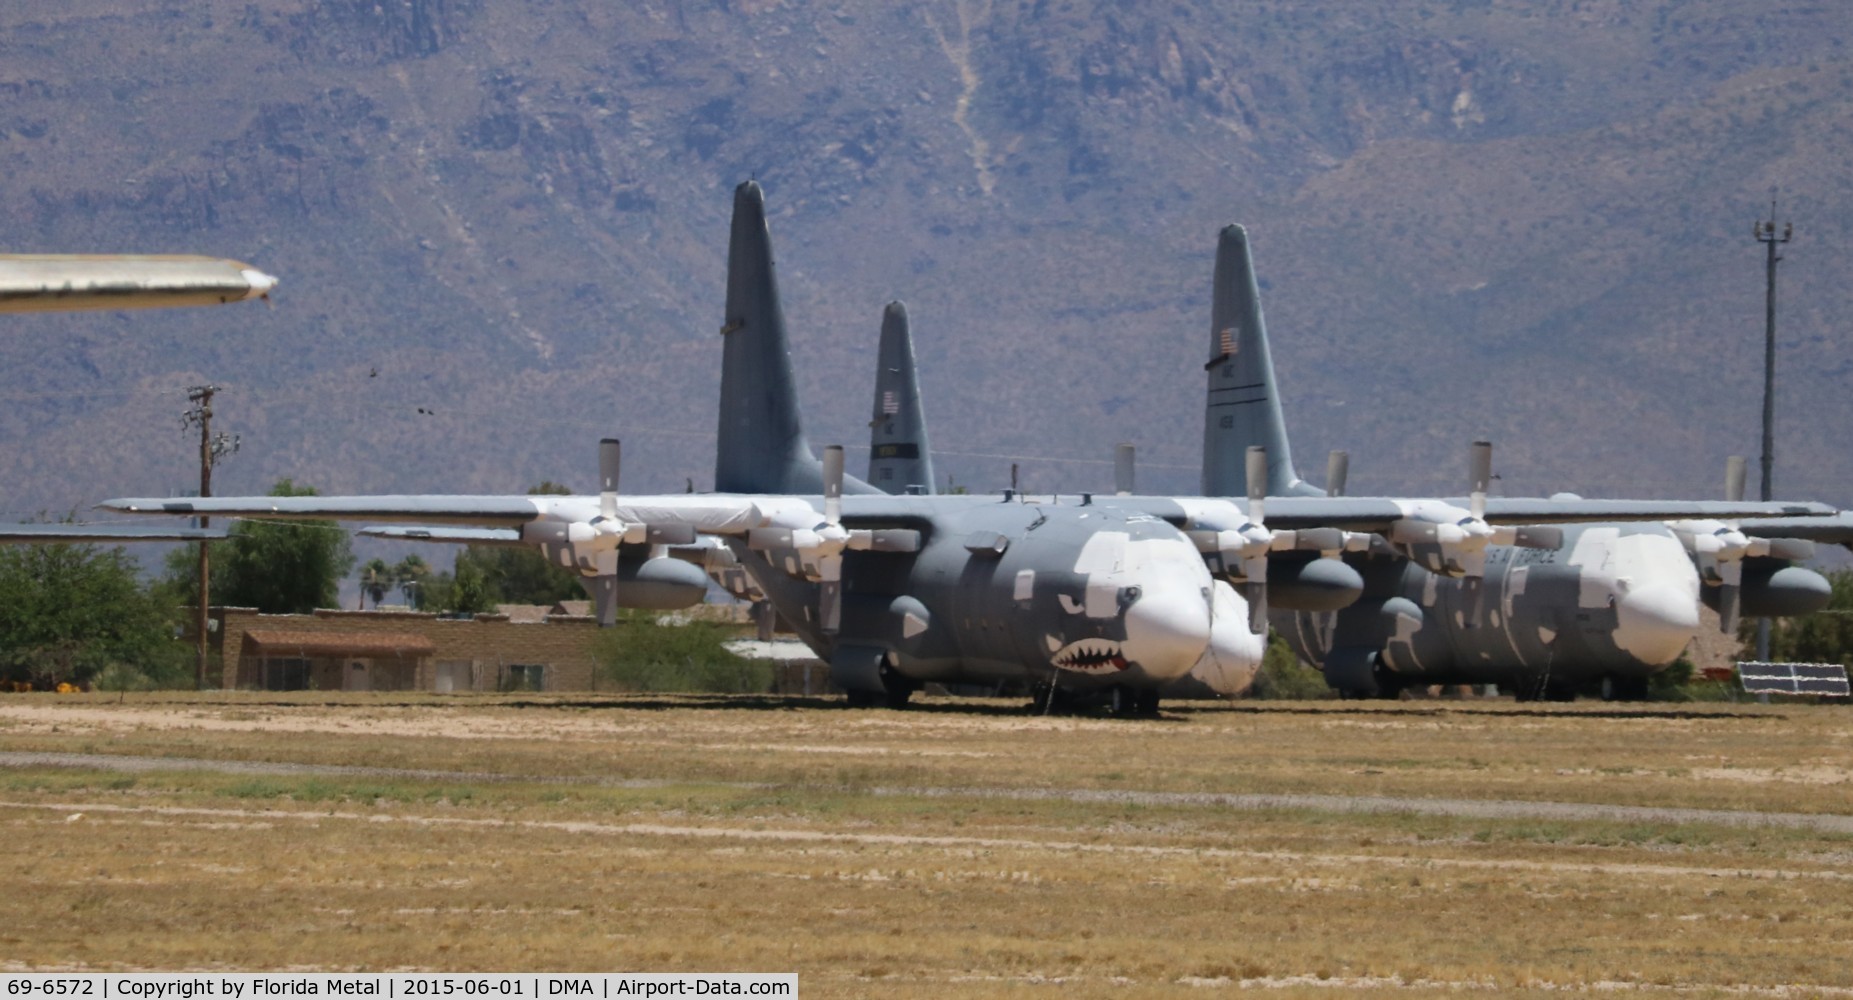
439, 533
1376, 514
48, 533
65, 282
1837, 529
1545, 511
482, 511
734, 514
712, 514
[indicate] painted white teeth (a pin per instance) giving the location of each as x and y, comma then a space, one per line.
1091, 656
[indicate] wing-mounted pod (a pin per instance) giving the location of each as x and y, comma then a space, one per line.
1449, 541
1749, 575
591, 547
1239, 553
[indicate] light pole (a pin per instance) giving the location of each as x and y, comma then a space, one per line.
1765, 233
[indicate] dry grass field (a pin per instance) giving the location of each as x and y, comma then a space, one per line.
962, 849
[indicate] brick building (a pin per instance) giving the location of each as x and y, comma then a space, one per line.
404, 651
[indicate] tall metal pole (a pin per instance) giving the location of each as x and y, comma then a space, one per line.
201, 398
1765, 233
211, 450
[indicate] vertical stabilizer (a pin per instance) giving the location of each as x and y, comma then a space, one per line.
1243, 407
761, 446
899, 458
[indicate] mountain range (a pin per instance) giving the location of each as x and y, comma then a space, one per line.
501, 231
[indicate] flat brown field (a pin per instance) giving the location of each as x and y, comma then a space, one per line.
966, 848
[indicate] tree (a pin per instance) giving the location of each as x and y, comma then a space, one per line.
1823, 637
375, 579
277, 567
469, 591
411, 575
521, 574
72, 612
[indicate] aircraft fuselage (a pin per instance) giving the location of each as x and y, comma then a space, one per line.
1088, 597
1614, 600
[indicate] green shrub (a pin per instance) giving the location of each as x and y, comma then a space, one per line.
645, 653
1284, 677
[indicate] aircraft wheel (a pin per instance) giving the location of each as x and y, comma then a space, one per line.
896, 698
1557, 690
1626, 688
1122, 701
866, 699
1145, 702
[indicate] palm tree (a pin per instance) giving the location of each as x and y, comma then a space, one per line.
375, 578
410, 574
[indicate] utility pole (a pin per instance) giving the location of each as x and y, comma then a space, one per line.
1765, 233
211, 450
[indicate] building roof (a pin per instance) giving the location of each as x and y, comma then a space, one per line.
524, 614
285, 642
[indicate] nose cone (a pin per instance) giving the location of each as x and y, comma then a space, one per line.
260, 283
1654, 624
1167, 630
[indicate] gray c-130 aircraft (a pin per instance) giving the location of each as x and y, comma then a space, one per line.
1103, 596
1615, 601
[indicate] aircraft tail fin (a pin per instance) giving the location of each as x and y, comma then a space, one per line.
899, 458
1243, 405
761, 447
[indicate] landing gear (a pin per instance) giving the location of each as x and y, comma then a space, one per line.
1128, 702
1618, 688
1559, 690
896, 689
895, 699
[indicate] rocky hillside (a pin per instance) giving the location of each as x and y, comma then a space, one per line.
501, 227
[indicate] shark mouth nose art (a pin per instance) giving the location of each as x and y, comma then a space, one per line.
1091, 656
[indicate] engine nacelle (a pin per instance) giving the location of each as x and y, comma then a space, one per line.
1774, 589
660, 584
1312, 583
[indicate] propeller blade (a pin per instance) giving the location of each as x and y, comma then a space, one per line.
605, 589
1535, 536
830, 594
1256, 591
885, 540
833, 484
1124, 467
768, 539
1480, 476
1792, 549
608, 453
1730, 600
1734, 473
670, 534
1257, 480
1318, 539
1471, 590
1336, 465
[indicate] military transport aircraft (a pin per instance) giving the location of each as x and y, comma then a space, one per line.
1109, 596
1602, 601
69, 282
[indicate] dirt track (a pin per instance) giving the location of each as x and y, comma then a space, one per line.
1474, 808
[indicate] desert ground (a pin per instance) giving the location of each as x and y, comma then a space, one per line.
964, 848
